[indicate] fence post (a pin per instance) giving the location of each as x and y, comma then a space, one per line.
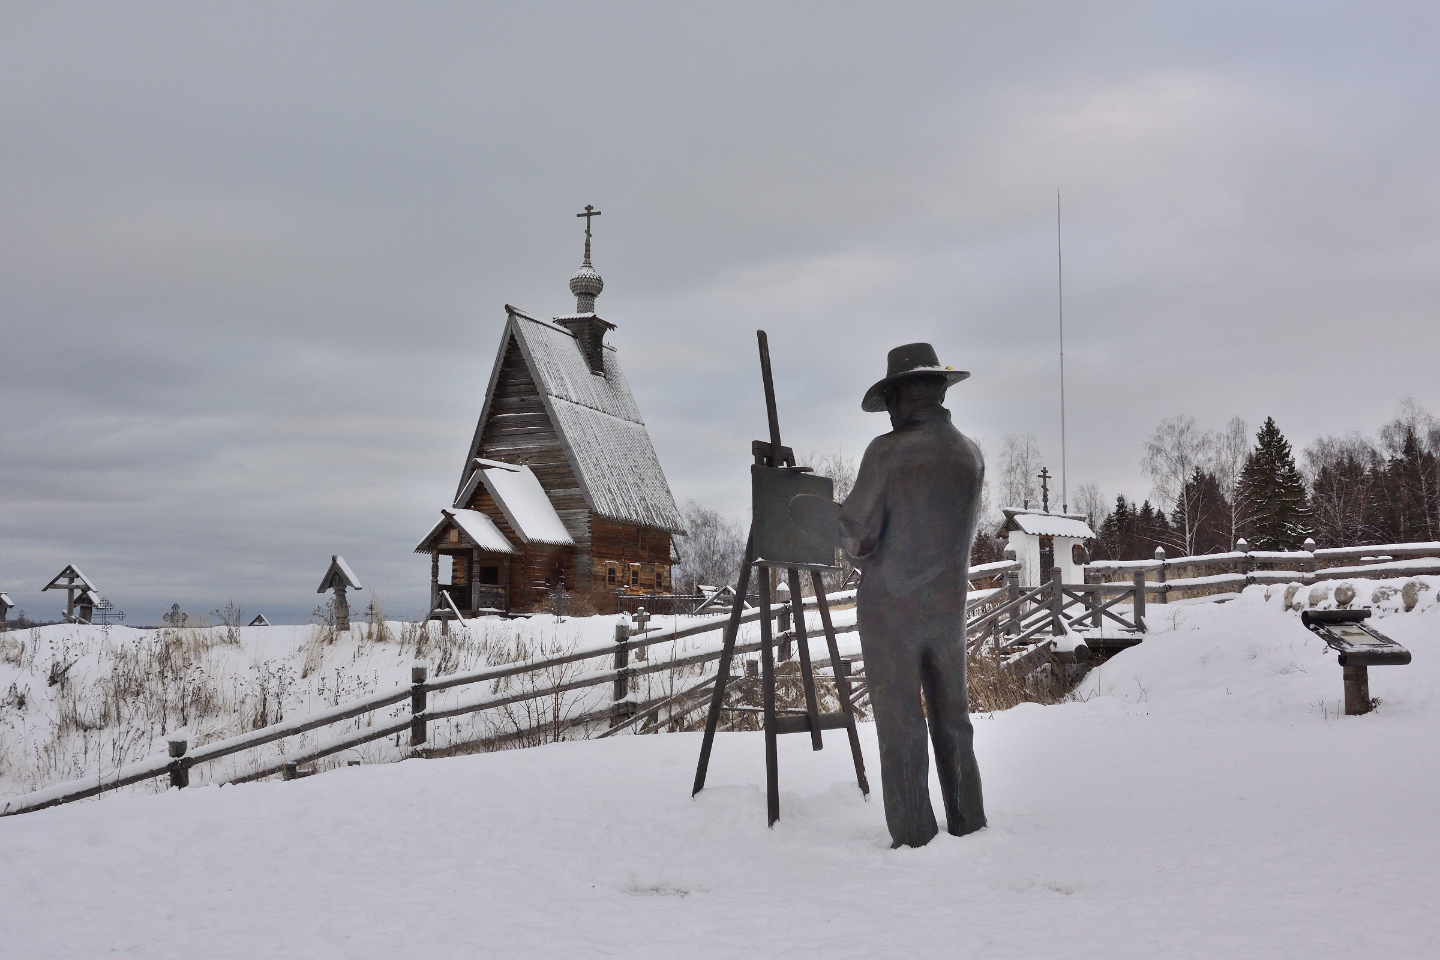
620, 711
1160, 576
1309, 547
418, 733
179, 771
1244, 547
1057, 604
1140, 600
1012, 595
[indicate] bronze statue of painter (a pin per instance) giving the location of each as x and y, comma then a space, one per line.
908, 523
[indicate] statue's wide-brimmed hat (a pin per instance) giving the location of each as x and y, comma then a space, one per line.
911, 360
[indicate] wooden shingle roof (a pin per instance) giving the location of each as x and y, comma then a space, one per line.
597, 420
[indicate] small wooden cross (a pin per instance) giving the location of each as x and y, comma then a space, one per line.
1044, 476
642, 619
175, 618
558, 596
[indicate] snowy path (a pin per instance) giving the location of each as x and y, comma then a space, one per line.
1200, 805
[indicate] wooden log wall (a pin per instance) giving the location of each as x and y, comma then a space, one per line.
623, 544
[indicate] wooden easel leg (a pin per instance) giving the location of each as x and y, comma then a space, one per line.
807, 673
727, 654
842, 682
767, 678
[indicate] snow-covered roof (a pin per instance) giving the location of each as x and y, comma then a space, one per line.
259, 621
71, 573
339, 574
1038, 523
598, 422
480, 529
5, 603
523, 501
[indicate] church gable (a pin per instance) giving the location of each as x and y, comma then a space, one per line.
515, 427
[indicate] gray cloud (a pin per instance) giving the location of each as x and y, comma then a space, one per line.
253, 257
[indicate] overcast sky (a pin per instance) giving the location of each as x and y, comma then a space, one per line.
253, 258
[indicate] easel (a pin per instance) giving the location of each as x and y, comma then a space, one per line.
810, 719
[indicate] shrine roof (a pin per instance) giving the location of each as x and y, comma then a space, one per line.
1039, 523
339, 574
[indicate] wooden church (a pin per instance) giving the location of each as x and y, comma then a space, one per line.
561, 485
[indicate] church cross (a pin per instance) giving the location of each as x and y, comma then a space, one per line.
1044, 476
589, 212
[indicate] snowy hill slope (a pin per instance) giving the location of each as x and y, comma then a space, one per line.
1203, 799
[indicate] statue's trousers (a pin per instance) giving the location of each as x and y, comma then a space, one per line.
914, 645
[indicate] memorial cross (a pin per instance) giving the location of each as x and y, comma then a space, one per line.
642, 619
108, 613
175, 618
1044, 476
558, 596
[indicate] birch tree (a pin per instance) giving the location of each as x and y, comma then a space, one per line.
1176, 449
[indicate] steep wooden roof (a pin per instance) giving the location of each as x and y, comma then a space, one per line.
597, 420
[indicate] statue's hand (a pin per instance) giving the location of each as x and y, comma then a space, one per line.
816, 516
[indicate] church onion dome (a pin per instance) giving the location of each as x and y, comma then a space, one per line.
586, 285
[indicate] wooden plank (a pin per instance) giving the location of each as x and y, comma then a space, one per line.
354, 738
288, 728
801, 723
727, 654
807, 675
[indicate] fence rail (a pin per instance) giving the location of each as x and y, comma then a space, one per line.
1243, 567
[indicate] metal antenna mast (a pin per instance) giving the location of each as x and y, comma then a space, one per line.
1060, 285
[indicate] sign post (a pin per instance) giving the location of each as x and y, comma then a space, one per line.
1359, 647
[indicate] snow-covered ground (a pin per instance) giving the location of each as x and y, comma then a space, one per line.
1200, 798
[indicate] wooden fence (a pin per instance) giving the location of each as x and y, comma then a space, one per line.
182, 757
1022, 626
1224, 573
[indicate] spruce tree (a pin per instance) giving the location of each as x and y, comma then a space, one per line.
1277, 506
1116, 532
1202, 510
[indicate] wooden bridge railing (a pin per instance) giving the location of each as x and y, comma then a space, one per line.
1025, 624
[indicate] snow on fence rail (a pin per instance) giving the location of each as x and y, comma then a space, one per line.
1242, 567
